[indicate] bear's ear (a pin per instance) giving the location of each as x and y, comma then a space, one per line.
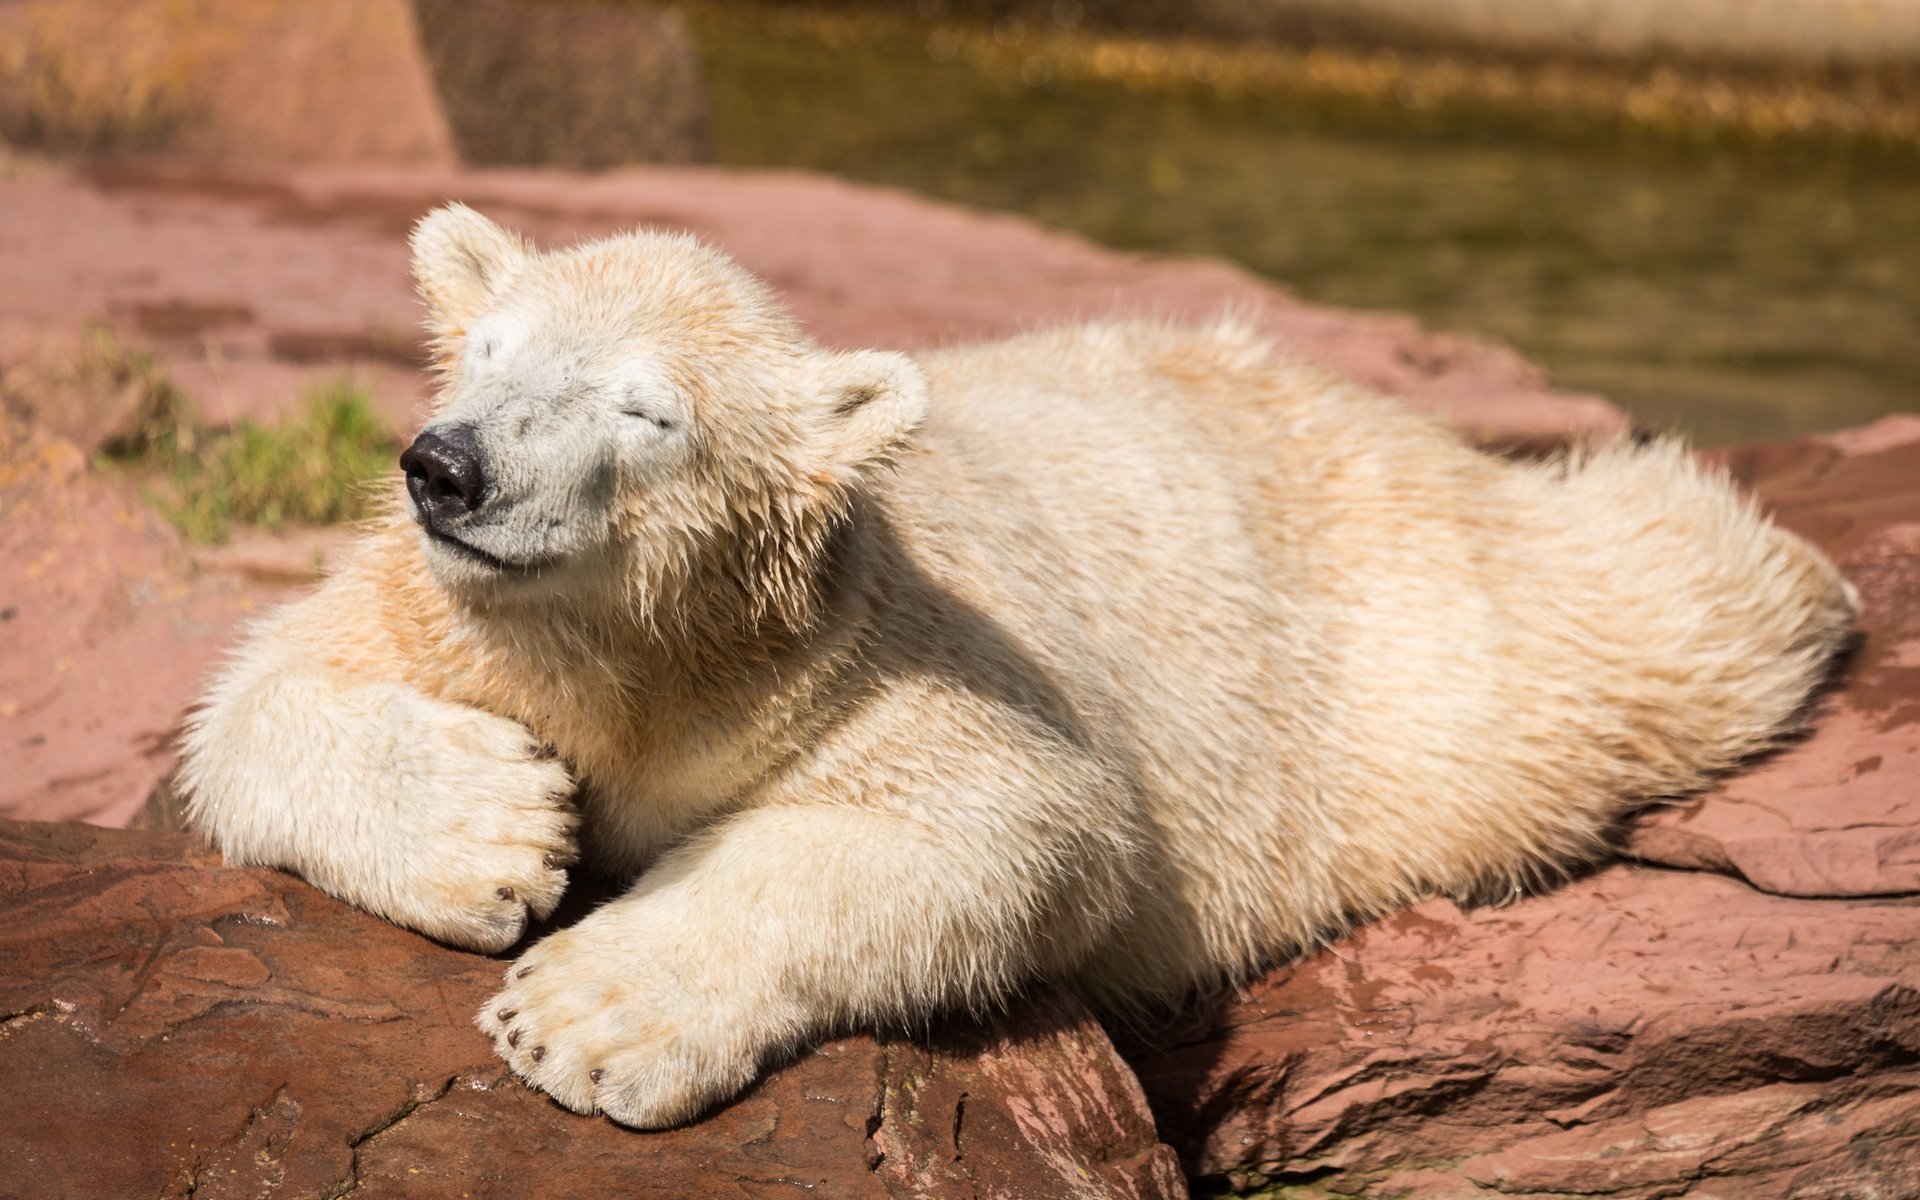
870, 403
461, 261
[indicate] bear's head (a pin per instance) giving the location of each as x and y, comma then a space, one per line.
635, 421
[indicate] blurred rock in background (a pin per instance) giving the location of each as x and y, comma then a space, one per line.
569, 84
496, 81
218, 79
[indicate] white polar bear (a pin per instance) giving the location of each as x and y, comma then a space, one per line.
1127, 656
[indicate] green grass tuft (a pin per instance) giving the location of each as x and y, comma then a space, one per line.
311, 470
315, 468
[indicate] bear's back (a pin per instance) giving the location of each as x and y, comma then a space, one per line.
1177, 529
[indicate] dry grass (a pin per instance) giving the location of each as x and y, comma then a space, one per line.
99, 393
87, 79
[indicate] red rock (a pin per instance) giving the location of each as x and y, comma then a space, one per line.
173, 1027
243, 283
1839, 814
1721, 1041
105, 629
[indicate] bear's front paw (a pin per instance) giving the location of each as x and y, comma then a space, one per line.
486, 830
605, 1022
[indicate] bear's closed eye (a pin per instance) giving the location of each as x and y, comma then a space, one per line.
648, 415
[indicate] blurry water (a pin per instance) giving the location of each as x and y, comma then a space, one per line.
1735, 293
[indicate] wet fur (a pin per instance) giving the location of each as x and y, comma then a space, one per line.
1126, 655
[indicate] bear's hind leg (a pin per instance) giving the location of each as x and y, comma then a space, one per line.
1677, 631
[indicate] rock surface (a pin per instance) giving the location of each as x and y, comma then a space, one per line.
176, 1028
1742, 1027
106, 625
1838, 815
247, 286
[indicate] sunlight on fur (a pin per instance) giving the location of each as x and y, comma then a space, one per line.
1129, 656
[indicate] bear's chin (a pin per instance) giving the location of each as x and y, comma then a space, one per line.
465, 569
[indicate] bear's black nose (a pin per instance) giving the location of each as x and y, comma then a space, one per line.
446, 475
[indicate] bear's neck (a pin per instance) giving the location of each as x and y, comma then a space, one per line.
714, 658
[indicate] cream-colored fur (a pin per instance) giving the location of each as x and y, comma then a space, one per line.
1124, 655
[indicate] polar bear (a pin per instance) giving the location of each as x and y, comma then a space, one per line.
1126, 656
